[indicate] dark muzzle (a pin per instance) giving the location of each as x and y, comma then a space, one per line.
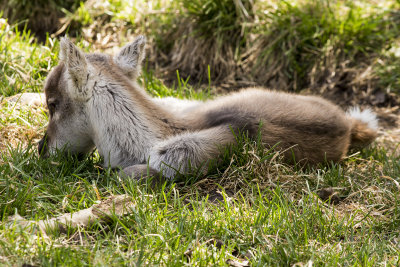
42, 146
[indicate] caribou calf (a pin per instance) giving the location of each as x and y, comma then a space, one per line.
94, 102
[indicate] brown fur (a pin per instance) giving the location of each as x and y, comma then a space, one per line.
313, 129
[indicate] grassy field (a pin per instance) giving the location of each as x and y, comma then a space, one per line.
253, 209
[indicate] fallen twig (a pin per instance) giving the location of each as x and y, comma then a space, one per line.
115, 205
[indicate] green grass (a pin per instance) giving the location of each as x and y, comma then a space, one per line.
267, 211
301, 35
280, 224
23, 63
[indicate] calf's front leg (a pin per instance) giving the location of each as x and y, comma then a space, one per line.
190, 150
141, 172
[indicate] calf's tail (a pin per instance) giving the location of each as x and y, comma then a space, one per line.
364, 127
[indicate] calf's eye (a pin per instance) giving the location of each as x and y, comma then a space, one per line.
52, 108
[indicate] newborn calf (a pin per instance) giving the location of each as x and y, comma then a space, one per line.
94, 102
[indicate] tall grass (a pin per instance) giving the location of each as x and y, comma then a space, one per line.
209, 33
322, 46
302, 43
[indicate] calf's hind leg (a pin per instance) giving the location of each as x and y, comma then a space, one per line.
189, 150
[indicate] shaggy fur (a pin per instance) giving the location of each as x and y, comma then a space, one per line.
94, 102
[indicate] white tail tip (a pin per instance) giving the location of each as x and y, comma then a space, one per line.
367, 116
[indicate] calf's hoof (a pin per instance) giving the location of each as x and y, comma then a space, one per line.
142, 173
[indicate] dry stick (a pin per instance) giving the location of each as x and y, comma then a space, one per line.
118, 205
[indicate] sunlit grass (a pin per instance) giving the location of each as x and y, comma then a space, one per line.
24, 64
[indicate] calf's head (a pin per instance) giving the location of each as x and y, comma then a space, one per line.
69, 90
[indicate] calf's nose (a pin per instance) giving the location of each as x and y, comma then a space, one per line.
42, 146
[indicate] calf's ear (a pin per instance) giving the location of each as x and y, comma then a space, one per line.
130, 58
77, 67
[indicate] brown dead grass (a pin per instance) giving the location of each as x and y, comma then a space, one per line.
40, 18
346, 84
193, 55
